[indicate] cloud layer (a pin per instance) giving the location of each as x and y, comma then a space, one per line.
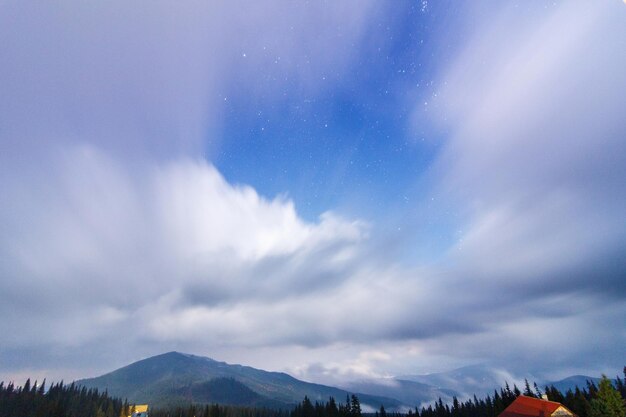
535, 167
120, 239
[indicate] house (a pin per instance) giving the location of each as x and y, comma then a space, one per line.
140, 410
535, 407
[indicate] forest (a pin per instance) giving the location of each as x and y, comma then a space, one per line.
606, 399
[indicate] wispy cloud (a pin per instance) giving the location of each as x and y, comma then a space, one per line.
534, 165
120, 239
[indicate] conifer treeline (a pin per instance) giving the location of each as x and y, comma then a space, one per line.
351, 408
215, 410
589, 401
33, 400
584, 402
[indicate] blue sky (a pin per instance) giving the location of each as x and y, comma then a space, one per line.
339, 190
351, 136
356, 141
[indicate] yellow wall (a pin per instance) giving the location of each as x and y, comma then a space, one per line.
561, 412
139, 408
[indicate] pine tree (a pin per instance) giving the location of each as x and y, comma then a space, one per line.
527, 391
578, 402
355, 406
331, 408
608, 402
456, 407
307, 408
554, 394
344, 409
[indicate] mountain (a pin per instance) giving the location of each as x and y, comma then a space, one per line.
225, 391
483, 380
571, 382
467, 381
408, 392
177, 378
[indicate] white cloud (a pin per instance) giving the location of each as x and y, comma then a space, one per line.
106, 252
533, 166
150, 78
114, 238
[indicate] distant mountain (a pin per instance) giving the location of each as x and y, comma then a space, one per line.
467, 381
571, 382
408, 392
177, 378
483, 380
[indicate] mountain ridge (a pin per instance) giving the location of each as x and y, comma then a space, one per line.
174, 378
482, 380
408, 392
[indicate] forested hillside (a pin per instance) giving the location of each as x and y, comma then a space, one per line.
34, 400
605, 399
602, 400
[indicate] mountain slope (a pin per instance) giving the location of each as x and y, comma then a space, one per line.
225, 391
571, 382
467, 381
483, 380
408, 392
178, 378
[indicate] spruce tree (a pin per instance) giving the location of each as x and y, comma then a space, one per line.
355, 406
608, 402
527, 391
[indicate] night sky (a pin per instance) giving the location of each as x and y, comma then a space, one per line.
338, 190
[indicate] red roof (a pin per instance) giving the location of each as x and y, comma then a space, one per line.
527, 406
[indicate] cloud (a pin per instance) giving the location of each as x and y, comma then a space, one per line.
150, 79
171, 254
533, 169
537, 157
107, 114
120, 239
109, 236
362, 367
